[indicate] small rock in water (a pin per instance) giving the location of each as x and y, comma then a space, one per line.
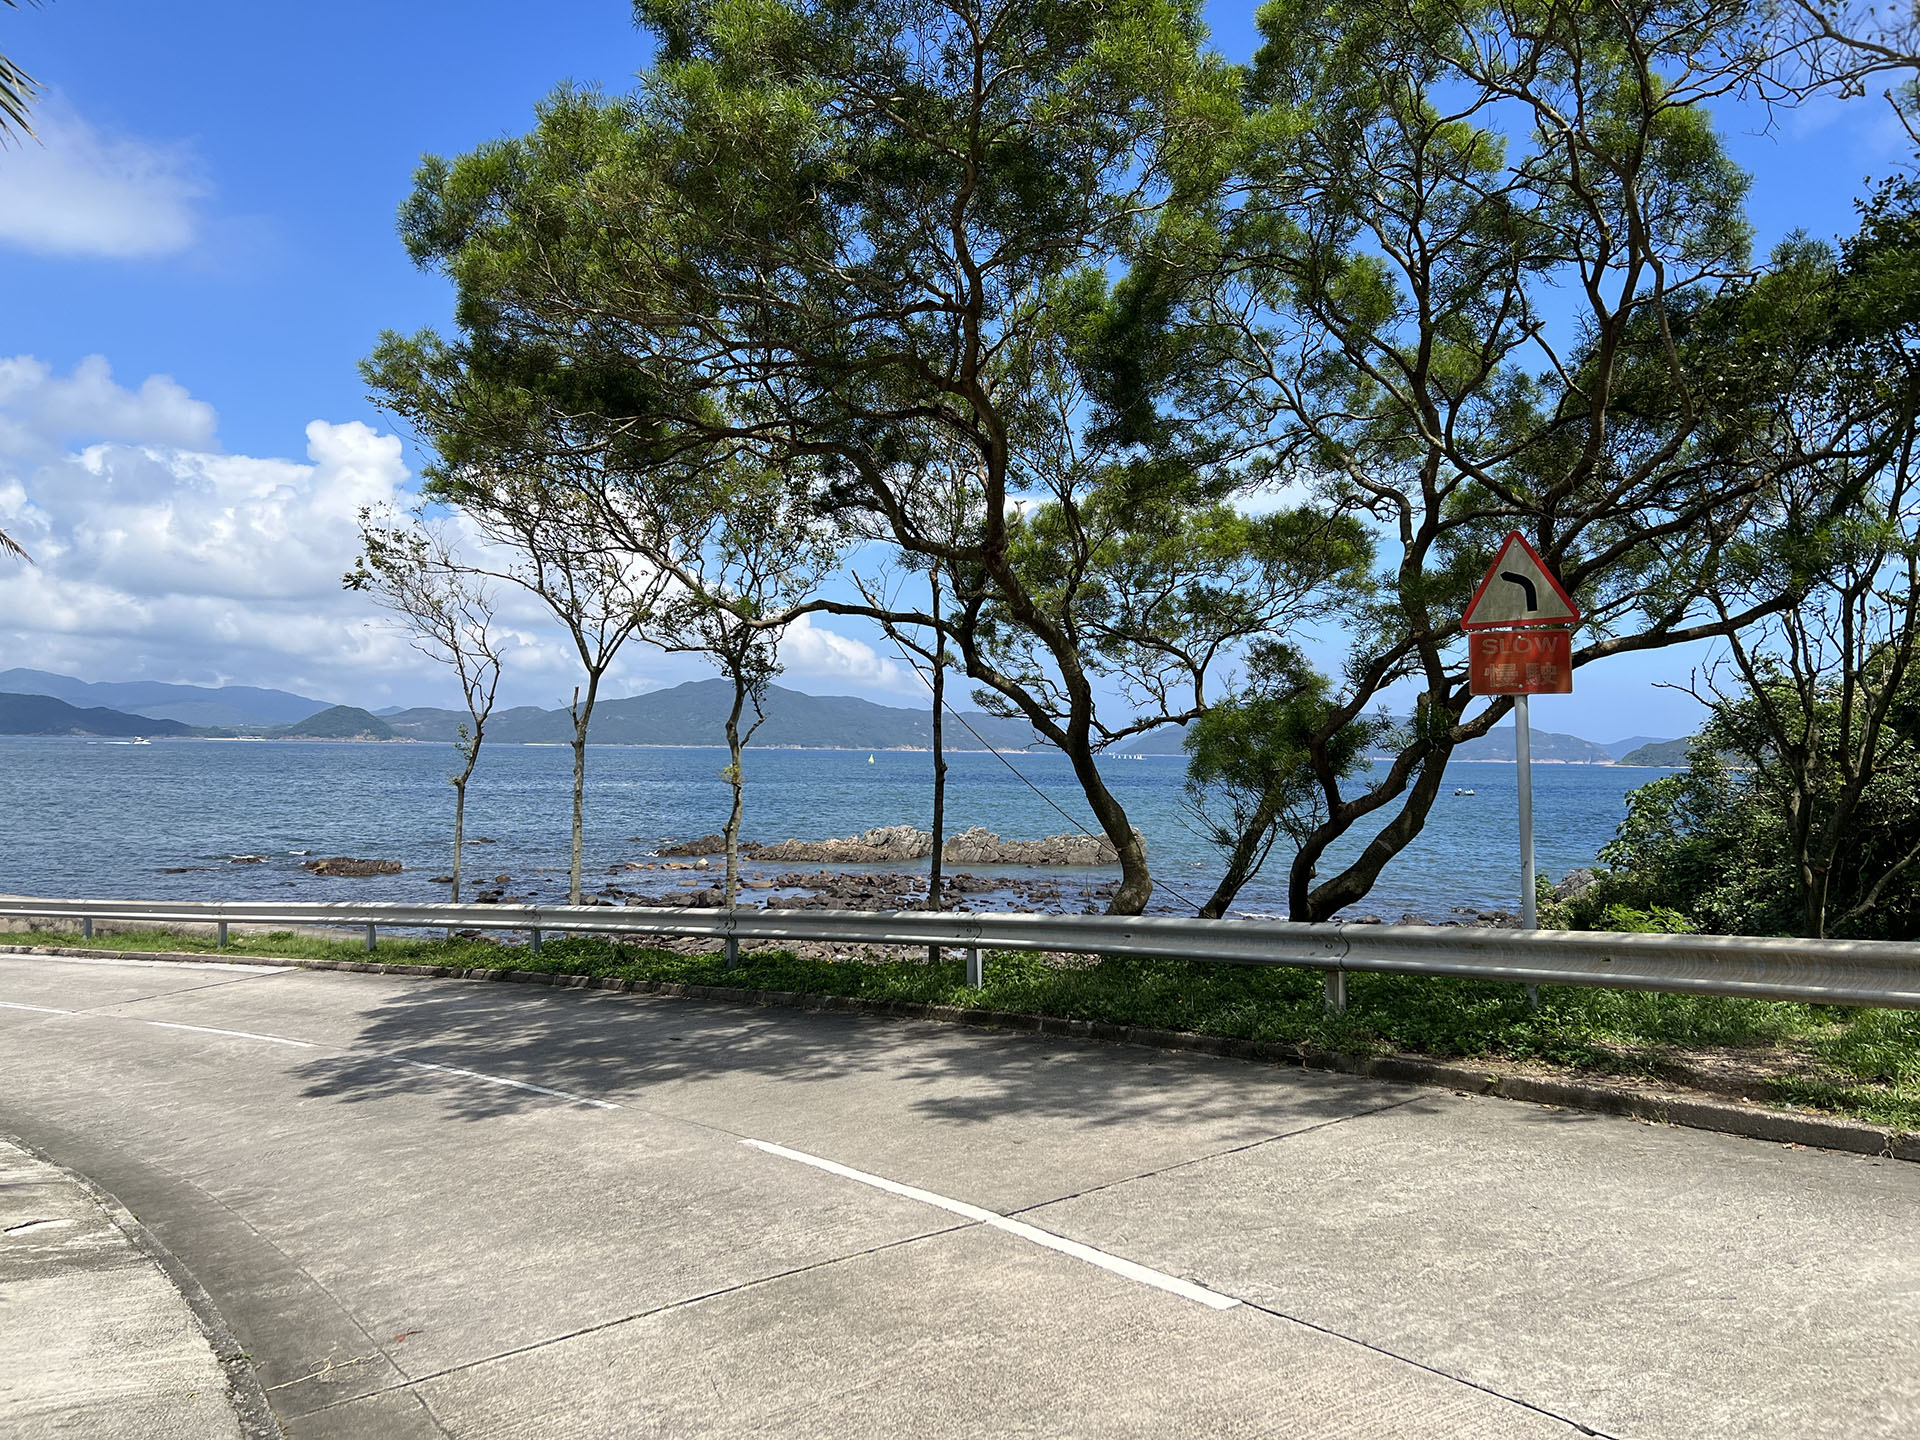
441, 880
703, 864
247, 859
503, 879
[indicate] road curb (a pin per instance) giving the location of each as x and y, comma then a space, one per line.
246, 1395
1660, 1107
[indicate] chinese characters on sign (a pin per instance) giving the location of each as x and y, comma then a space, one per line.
1520, 662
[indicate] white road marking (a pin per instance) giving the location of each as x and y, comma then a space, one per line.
314, 1045
157, 964
498, 1080
214, 1030
1185, 1289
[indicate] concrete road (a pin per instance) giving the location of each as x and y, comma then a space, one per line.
444, 1208
95, 1339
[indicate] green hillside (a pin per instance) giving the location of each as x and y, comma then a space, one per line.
1670, 753
341, 722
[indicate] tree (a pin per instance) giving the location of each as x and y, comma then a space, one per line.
560, 553
860, 238
410, 568
1825, 715
1250, 774
742, 556
1479, 268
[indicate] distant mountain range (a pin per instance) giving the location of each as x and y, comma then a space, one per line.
231, 706
44, 715
1544, 745
689, 714
695, 714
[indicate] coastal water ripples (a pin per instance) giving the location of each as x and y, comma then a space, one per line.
237, 819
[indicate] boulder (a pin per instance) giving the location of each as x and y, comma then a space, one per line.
350, 866
984, 847
1576, 883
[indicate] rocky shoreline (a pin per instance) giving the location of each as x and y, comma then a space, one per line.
898, 844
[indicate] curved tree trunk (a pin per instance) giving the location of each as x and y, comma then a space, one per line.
582, 716
737, 779
934, 900
1250, 847
1307, 901
459, 831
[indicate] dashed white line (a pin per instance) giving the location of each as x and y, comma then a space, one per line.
154, 964
454, 1070
499, 1080
1142, 1274
214, 1030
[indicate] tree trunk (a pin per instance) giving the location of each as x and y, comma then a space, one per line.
1249, 849
582, 716
1136, 884
1307, 901
737, 779
934, 901
459, 830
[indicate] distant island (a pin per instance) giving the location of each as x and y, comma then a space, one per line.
337, 722
1671, 754
692, 714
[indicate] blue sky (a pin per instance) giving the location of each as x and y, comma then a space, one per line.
193, 263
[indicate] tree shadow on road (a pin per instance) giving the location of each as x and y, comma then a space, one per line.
654, 1051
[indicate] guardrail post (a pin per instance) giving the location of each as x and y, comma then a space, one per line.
1533, 997
534, 944
1336, 992
976, 968
220, 936
733, 953
370, 942
86, 928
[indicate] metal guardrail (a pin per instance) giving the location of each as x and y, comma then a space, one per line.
1838, 972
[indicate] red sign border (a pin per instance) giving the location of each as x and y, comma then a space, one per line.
1487, 579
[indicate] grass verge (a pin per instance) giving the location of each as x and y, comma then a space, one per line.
1860, 1063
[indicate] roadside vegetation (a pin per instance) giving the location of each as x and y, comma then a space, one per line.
1859, 1063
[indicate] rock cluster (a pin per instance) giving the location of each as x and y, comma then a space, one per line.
348, 865
897, 844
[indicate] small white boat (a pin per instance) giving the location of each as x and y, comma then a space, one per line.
869, 759
140, 740
1462, 791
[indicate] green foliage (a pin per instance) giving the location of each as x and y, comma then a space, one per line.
1712, 842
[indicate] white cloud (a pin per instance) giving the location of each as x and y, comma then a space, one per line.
79, 192
38, 410
162, 557
807, 650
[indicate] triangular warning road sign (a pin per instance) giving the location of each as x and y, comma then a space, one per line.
1518, 590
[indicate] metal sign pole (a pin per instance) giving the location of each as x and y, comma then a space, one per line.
1523, 757
1523, 746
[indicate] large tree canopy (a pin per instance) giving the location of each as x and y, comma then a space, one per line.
1479, 267
876, 246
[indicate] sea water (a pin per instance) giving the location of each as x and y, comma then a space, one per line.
94, 818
